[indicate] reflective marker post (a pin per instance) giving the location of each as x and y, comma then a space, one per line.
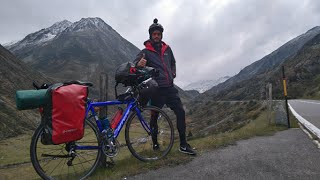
285, 94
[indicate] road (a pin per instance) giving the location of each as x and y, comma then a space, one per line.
308, 109
308, 113
288, 154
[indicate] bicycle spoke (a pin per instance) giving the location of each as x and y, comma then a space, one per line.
85, 158
90, 154
140, 142
75, 172
55, 167
50, 161
49, 148
63, 166
50, 152
80, 163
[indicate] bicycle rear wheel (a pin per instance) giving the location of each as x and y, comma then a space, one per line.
140, 140
54, 161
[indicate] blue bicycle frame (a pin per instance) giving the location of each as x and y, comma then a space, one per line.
131, 106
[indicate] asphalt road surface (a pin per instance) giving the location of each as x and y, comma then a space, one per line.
308, 109
288, 154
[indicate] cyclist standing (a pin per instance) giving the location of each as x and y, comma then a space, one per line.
159, 55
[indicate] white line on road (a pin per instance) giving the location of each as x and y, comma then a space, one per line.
306, 123
310, 102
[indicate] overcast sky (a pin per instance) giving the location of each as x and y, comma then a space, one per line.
209, 39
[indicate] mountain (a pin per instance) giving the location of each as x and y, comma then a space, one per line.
8, 44
215, 112
16, 75
204, 85
250, 82
192, 93
81, 50
302, 73
38, 38
186, 96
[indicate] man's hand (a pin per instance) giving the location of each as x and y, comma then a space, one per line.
142, 62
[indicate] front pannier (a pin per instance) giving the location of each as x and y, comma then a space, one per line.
64, 115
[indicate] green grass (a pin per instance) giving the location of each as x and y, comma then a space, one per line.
15, 150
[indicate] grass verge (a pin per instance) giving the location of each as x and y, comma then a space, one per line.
131, 166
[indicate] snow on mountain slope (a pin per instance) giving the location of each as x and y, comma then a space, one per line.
41, 36
205, 85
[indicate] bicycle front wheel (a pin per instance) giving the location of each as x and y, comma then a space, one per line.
56, 162
149, 135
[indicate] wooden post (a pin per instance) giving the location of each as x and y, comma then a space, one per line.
285, 94
270, 101
103, 96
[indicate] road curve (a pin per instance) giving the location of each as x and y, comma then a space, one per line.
308, 113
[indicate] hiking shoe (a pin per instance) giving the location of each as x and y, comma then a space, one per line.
187, 149
156, 147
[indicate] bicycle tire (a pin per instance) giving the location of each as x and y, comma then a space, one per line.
140, 142
46, 166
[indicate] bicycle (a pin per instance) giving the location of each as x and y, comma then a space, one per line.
79, 159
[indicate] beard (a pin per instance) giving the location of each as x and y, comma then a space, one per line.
156, 41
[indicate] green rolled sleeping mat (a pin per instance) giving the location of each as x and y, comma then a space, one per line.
31, 99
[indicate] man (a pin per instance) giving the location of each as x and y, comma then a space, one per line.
159, 55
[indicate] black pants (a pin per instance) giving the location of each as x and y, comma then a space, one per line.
169, 96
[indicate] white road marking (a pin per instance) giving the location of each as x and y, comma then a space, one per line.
306, 123
310, 102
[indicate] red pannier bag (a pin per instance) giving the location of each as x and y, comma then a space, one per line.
63, 117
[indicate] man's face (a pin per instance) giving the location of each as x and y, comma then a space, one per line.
156, 36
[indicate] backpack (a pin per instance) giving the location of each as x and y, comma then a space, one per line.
64, 115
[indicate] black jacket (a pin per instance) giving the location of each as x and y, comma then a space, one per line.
163, 61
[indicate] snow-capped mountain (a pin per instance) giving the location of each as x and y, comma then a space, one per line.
88, 23
40, 37
205, 85
81, 50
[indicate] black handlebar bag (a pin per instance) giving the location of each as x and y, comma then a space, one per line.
63, 117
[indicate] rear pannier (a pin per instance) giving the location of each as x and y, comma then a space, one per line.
63, 117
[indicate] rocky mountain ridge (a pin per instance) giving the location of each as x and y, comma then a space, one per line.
16, 75
262, 67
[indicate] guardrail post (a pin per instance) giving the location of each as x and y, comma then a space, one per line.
285, 94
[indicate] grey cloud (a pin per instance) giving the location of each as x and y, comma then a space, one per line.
243, 32
209, 40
